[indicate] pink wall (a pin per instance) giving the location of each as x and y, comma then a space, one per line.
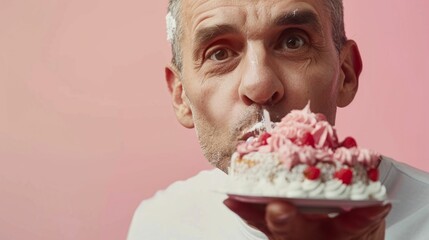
86, 127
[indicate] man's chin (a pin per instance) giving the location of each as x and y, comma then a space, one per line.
222, 162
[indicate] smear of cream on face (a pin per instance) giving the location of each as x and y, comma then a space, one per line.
295, 11
265, 125
266, 120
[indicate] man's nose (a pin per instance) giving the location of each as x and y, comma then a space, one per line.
260, 81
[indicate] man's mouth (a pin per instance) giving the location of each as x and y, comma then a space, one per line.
264, 125
252, 132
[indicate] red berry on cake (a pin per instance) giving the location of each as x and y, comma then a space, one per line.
320, 117
312, 173
308, 139
301, 157
264, 136
373, 174
349, 142
345, 175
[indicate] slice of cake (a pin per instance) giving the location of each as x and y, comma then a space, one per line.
301, 157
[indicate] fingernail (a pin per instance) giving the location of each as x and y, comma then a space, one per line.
387, 208
384, 212
281, 219
229, 204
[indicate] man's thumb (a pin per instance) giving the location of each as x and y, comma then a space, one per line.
280, 217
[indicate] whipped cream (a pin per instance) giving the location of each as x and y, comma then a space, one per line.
293, 184
301, 157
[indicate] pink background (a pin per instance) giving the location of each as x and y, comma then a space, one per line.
87, 130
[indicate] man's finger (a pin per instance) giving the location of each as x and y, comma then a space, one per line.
361, 219
283, 219
250, 212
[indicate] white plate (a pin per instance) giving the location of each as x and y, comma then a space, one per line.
309, 205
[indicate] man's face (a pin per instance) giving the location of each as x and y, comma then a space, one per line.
242, 56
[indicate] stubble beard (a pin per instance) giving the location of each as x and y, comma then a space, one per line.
219, 142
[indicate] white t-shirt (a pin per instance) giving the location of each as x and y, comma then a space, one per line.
192, 209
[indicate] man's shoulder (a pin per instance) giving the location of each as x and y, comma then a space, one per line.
408, 191
198, 186
182, 206
407, 170
204, 180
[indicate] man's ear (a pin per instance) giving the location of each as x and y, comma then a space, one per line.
179, 98
351, 67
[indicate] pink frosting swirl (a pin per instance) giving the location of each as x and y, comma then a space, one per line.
346, 155
324, 155
294, 131
368, 157
325, 136
304, 116
291, 155
276, 141
305, 137
298, 125
248, 147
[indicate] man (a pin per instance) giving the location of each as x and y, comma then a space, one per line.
231, 59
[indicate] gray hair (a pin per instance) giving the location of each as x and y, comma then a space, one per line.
175, 29
336, 10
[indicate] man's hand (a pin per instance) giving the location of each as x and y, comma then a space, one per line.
282, 220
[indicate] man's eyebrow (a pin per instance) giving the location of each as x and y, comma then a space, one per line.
304, 17
206, 34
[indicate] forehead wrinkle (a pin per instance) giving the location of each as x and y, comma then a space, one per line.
192, 14
205, 23
292, 15
203, 11
300, 17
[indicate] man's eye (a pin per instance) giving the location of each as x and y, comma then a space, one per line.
293, 42
220, 55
